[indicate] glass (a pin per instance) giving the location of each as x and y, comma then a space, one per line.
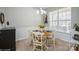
69, 15
54, 23
61, 20
60, 16
54, 15
62, 23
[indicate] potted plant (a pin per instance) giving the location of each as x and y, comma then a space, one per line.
76, 27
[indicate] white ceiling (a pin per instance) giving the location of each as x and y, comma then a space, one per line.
46, 8
41, 7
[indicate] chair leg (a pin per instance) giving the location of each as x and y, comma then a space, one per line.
34, 47
54, 43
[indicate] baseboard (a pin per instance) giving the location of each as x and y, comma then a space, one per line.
20, 39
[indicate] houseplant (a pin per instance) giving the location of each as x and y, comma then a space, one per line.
76, 26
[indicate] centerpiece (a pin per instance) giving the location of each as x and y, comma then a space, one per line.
41, 26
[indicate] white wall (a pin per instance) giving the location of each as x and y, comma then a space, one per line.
2, 10
75, 15
24, 19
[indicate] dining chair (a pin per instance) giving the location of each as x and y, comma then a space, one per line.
39, 43
50, 38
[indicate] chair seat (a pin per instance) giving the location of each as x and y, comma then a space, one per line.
41, 39
39, 43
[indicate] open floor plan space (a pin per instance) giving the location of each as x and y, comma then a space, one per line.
39, 28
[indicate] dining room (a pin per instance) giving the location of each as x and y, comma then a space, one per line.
42, 28
47, 35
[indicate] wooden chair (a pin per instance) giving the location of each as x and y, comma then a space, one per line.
39, 43
50, 38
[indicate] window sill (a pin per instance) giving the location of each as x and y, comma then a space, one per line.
63, 32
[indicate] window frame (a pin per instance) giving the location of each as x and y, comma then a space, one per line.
58, 20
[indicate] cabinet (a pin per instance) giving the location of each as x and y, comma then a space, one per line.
7, 39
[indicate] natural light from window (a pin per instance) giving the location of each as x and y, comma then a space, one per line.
60, 20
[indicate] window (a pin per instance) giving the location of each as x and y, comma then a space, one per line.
60, 20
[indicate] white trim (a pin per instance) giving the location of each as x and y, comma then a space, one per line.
63, 32
20, 39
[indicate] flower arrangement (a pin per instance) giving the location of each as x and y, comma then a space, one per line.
41, 25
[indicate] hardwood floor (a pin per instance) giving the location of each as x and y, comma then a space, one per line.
25, 45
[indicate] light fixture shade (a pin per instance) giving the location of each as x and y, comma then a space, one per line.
37, 12
41, 11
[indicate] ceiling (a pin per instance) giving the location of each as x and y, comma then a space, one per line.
46, 8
